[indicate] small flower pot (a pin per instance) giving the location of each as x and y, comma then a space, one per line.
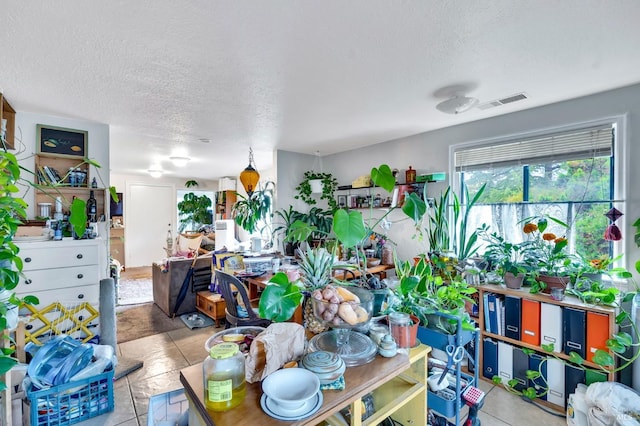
316, 186
406, 336
513, 281
553, 282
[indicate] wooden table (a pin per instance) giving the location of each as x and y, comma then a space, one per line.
374, 270
359, 381
255, 286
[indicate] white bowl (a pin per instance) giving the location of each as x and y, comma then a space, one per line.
291, 388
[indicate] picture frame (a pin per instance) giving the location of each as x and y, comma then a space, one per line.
61, 141
342, 201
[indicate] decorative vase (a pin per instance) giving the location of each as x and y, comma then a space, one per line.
316, 186
553, 282
513, 281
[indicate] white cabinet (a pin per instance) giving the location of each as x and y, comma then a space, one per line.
65, 277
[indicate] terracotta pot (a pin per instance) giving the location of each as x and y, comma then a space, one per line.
406, 336
513, 281
553, 282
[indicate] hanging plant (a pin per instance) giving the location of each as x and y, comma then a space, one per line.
329, 186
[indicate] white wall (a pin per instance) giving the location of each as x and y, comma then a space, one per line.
429, 152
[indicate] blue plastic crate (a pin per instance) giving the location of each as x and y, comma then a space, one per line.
72, 402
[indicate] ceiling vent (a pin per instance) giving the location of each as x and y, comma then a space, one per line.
503, 101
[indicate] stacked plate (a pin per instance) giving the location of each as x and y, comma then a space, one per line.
291, 394
326, 365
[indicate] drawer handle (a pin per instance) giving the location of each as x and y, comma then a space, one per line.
79, 256
28, 281
80, 276
81, 296
27, 259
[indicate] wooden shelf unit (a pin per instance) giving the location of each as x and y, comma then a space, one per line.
224, 203
523, 293
61, 164
8, 113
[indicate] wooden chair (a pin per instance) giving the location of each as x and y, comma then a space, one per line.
229, 287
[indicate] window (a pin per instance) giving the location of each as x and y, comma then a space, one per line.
566, 174
196, 218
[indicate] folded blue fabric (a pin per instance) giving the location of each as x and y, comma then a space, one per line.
335, 385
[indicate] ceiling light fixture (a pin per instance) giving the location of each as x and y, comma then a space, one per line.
457, 104
155, 173
250, 176
179, 161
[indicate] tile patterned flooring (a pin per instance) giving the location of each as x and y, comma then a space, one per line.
164, 355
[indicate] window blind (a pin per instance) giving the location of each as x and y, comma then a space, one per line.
573, 145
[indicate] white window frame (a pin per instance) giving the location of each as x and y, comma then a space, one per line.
620, 159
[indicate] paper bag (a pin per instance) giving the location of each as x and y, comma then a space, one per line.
270, 350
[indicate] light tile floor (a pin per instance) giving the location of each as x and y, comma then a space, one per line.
164, 355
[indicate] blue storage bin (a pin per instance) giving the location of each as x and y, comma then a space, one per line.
72, 402
447, 407
438, 340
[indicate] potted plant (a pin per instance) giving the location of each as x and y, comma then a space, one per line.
349, 227
251, 212
282, 226
506, 259
12, 212
425, 293
328, 183
546, 254
195, 211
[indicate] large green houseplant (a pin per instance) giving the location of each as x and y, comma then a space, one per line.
350, 230
284, 219
195, 211
12, 213
251, 212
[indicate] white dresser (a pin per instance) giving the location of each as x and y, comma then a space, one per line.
65, 277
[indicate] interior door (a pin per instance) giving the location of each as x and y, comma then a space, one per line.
150, 208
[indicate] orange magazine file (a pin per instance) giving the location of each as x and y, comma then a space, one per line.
530, 322
597, 333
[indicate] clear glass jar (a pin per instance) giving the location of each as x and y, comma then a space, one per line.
223, 372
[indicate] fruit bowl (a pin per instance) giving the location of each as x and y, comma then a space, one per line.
347, 310
342, 307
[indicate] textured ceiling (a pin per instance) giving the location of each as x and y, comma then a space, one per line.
304, 76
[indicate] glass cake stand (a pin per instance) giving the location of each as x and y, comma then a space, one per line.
344, 339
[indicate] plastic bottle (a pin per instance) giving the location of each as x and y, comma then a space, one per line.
169, 239
224, 381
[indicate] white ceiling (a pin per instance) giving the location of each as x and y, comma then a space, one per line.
303, 76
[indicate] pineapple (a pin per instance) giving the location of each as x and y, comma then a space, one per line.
316, 266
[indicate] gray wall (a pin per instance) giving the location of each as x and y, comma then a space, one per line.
429, 152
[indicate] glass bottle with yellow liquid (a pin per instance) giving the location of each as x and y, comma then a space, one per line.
224, 382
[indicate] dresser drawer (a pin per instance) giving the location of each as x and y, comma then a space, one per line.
49, 279
58, 257
66, 296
